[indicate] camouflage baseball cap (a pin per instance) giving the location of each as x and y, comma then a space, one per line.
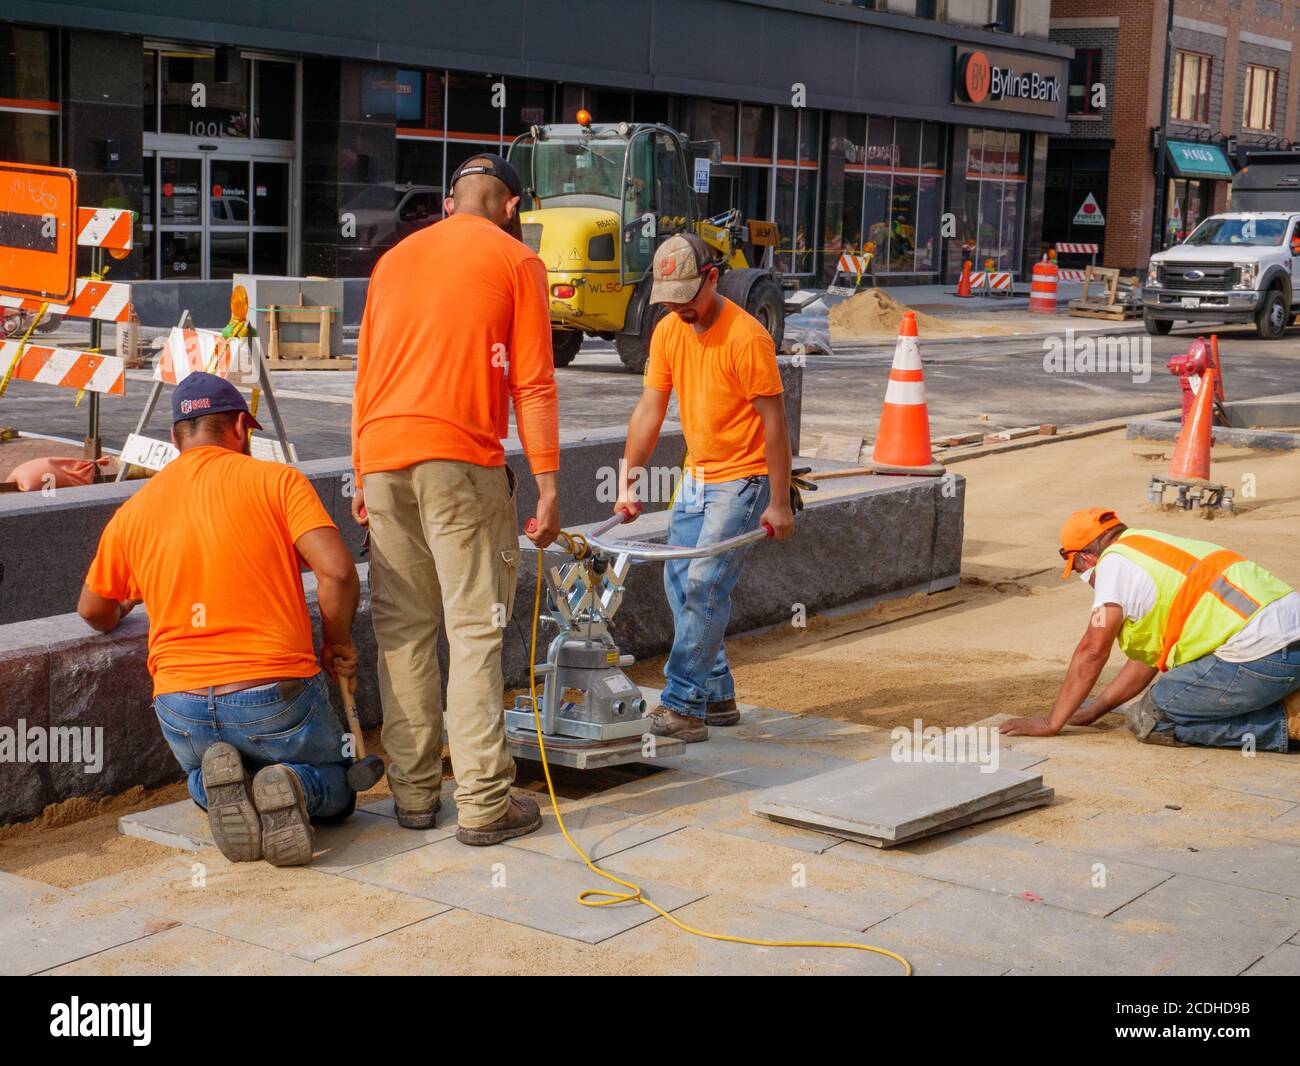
678, 264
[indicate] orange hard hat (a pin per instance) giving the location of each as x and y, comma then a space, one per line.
1081, 529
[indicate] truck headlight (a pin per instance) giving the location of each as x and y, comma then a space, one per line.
1153, 275
1246, 273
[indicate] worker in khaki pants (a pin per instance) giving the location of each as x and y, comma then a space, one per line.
456, 326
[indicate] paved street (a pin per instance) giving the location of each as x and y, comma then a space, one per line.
1001, 377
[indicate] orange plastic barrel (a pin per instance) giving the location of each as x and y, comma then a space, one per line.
1042, 289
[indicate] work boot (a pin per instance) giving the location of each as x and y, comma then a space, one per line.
1292, 705
722, 712
286, 826
236, 829
665, 722
422, 819
1142, 716
521, 818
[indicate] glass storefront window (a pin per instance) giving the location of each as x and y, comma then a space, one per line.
528, 103
907, 144
179, 203
902, 223
276, 100
755, 134
469, 108
995, 188
29, 126
182, 254
270, 194
202, 97
715, 120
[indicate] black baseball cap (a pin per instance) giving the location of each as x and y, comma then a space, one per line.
201, 394
489, 164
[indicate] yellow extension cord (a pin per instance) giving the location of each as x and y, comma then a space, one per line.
22, 345
577, 546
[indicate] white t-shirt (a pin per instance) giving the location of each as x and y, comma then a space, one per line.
1123, 582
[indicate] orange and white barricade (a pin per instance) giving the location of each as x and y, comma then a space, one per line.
64, 367
110, 228
859, 266
107, 301
187, 350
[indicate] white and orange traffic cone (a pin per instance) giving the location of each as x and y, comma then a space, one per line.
1191, 459
903, 437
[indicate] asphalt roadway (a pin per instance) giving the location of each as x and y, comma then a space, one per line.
975, 384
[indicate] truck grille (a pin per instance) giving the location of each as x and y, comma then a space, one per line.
1214, 277
533, 235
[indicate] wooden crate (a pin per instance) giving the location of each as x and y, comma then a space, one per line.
1109, 305
312, 354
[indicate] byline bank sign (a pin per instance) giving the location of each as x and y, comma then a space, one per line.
1007, 81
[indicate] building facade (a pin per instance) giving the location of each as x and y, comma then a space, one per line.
1232, 87
250, 142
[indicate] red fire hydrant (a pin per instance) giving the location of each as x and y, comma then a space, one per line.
1191, 367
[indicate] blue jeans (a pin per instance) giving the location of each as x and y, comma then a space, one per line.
699, 590
1217, 704
303, 733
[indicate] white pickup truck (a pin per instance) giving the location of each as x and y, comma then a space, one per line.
1239, 267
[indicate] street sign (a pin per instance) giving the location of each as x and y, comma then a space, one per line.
1089, 213
38, 238
702, 173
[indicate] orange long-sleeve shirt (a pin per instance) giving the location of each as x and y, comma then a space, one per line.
456, 326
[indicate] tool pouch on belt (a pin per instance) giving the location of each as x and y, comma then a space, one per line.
799, 485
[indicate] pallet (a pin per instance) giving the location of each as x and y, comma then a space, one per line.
1109, 306
302, 355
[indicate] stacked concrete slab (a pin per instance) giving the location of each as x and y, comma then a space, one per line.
884, 802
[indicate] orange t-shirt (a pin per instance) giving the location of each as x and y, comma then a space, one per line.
208, 546
715, 375
457, 323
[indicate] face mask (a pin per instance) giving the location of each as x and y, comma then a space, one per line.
1086, 576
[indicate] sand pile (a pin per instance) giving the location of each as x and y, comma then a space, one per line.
874, 312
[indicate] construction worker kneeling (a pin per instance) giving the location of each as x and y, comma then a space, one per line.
1218, 634
213, 547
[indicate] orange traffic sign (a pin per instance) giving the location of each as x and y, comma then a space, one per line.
38, 234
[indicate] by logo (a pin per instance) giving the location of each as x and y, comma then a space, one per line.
976, 76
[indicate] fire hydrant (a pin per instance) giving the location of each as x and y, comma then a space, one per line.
1191, 367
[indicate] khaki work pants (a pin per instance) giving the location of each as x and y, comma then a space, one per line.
443, 540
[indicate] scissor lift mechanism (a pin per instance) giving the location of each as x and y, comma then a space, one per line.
592, 713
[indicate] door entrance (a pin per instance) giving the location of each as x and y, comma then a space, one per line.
217, 215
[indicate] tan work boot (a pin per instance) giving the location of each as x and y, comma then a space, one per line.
422, 819
286, 827
1292, 705
665, 722
521, 818
722, 712
232, 818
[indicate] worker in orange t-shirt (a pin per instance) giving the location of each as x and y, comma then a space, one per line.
213, 547
456, 325
721, 362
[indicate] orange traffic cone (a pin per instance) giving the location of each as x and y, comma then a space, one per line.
963, 283
1192, 449
903, 438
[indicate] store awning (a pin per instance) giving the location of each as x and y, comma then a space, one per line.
1193, 159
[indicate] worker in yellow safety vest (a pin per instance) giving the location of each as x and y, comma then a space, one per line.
1218, 634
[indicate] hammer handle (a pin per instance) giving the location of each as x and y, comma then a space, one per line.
354, 725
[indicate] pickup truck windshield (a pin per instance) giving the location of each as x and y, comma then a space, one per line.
1239, 232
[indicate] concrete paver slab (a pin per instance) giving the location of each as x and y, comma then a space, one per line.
186, 951
600, 831
362, 838
1280, 962
983, 858
1230, 913
890, 800
1034, 938
820, 887
294, 910
42, 926
518, 886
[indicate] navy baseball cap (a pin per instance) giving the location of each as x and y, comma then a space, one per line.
206, 394
487, 163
